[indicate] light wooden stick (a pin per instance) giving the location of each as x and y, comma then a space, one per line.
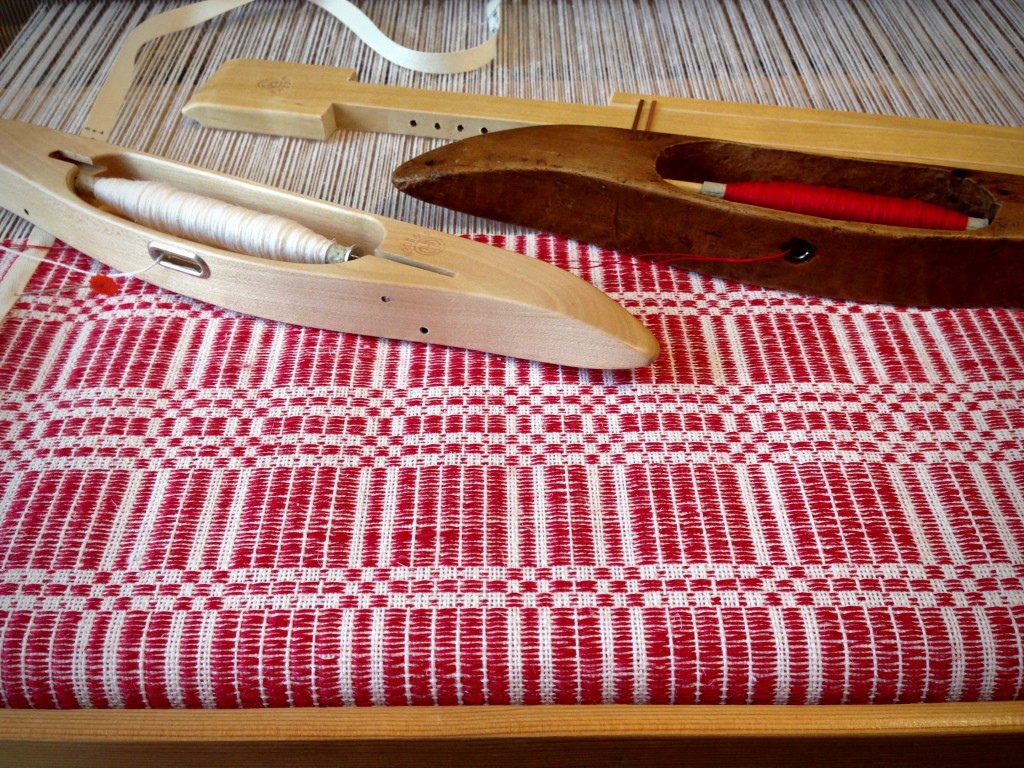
313, 102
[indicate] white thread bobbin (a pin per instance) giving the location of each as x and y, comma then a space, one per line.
214, 222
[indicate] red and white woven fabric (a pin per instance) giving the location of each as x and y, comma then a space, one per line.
803, 501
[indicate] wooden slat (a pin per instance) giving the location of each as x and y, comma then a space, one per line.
908, 735
313, 102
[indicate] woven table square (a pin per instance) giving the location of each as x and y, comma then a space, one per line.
801, 501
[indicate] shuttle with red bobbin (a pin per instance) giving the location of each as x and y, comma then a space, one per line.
874, 231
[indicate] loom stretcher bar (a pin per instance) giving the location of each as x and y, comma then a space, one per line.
412, 283
310, 101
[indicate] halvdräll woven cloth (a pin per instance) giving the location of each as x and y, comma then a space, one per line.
802, 501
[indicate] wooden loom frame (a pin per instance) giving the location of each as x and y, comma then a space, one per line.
934, 735
988, 733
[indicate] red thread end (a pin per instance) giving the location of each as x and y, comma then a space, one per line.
104, 284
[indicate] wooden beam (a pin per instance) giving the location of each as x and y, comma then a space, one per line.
932, 735
313, 102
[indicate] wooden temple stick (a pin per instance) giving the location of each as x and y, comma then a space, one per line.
310, 101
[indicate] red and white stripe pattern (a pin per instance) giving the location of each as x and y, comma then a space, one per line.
802, 501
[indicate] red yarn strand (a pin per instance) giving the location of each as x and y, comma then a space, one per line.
832, 203
669, 258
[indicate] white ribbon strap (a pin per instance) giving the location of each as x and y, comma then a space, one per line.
421, 61
103, 114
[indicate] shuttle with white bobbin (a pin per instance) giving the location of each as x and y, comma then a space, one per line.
266, 252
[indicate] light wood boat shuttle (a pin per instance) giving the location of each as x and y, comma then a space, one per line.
412, 283
311, 101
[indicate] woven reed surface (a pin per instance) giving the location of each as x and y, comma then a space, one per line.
803, 501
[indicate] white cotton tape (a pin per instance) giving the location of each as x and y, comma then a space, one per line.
104, 111
421, 61
103, 114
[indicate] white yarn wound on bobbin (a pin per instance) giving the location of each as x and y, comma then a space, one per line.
212, 222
